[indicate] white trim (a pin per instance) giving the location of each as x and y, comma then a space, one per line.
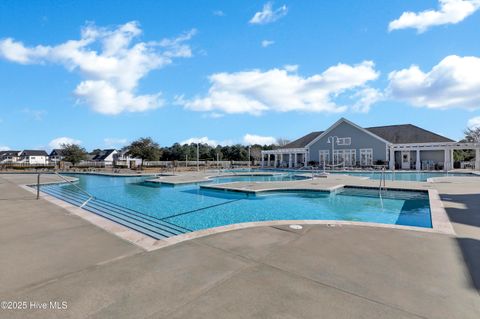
366, 151
436, 146
344, 120
285, 151
342, 141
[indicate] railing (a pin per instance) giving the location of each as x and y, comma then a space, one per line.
382, 180
90, 196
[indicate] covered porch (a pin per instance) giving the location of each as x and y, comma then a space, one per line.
429, 156
287, 157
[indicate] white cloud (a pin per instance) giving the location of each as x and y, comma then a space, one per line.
201, 140
4, 148
206, 140
454, 82
268, 14
474, 122
267, 43
450, 12
111, 61
256, 92
366, 98
219, 13
37, 115
251, 139
111, 142
57, 142
291, 67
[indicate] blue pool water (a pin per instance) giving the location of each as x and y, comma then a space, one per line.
258, 178
404, 176
394, 176
191, 207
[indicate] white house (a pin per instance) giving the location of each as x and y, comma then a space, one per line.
122, 158
56, 155
34, 157
8, 157
106, 156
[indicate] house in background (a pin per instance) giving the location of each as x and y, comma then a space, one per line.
346, 144
34, 157
56, 155
8, 157
105, 156
123, 159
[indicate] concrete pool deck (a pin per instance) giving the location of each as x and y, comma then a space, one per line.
202, 177
322, 271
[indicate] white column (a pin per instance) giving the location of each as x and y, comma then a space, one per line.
305, 159
290, 160
446, 161
268, 159
263, 160
295, 160
391, 163
281, 159
418, 164
276, 160
451, 159
477, 159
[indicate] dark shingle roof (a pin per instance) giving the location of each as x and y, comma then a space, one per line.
34, 153
56, 151
9, 153
303, 141
103, 155
407, 134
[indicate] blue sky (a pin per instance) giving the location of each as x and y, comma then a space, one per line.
177, 70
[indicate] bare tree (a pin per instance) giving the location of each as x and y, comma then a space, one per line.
282, 141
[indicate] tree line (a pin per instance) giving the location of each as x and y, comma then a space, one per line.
149, 150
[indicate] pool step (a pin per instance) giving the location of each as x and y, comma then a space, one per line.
386, 194
143, 223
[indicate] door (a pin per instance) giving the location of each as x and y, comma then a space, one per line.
405, 160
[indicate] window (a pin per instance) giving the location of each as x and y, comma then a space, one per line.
346, 157
366, 157
344, 141
324, 156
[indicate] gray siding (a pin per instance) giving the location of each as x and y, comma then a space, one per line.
360, 140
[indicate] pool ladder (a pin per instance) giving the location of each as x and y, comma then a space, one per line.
381, 185
382, 180
90, 196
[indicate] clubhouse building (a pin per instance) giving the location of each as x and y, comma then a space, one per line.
347, 145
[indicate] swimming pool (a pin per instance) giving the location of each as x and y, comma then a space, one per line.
258, 178
189, 207
404, 176
389, 175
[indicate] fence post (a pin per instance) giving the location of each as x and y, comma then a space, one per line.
38, 185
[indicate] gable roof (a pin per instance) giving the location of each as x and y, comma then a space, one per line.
303, 141
9, 153
395, 134
103, 155
344, 120
407, 134
57, 152
33, 153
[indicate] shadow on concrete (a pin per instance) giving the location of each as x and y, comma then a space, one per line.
470, 215
467, 215
471, 255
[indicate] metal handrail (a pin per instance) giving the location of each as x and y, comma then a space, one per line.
90, 196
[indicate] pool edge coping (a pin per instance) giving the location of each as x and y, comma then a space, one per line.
440, 223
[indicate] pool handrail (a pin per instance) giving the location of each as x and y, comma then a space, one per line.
90, 196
